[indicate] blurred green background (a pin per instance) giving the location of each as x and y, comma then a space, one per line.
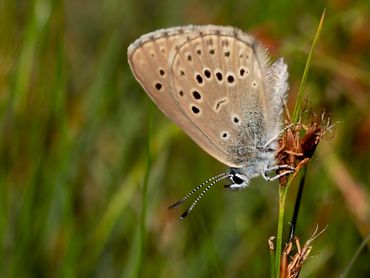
74, 153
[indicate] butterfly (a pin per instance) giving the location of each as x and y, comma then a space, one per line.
217, 84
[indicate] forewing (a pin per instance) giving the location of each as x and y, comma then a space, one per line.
150, 60
210, 80
218, 79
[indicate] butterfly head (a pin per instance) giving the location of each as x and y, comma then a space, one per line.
238, 179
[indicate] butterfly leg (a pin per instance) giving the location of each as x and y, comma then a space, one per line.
290, 170
275, 138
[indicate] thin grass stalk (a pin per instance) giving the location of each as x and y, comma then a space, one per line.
142, 228
293, 222
282, 198
297, 107
355, 256
272, 263
283, 189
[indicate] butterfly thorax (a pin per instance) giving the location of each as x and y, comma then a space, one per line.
257, 164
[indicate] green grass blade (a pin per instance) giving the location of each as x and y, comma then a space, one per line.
297, 108
144, 200
296, 113
355, 256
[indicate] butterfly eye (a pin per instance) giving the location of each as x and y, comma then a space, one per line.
237, 179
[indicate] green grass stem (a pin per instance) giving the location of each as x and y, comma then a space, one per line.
283, 189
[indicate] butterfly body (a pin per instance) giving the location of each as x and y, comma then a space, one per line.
216, 83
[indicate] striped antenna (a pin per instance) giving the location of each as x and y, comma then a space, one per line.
216, 180
179, 202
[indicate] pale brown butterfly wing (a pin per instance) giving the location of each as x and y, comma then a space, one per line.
210, 80
150, 61
219, 80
